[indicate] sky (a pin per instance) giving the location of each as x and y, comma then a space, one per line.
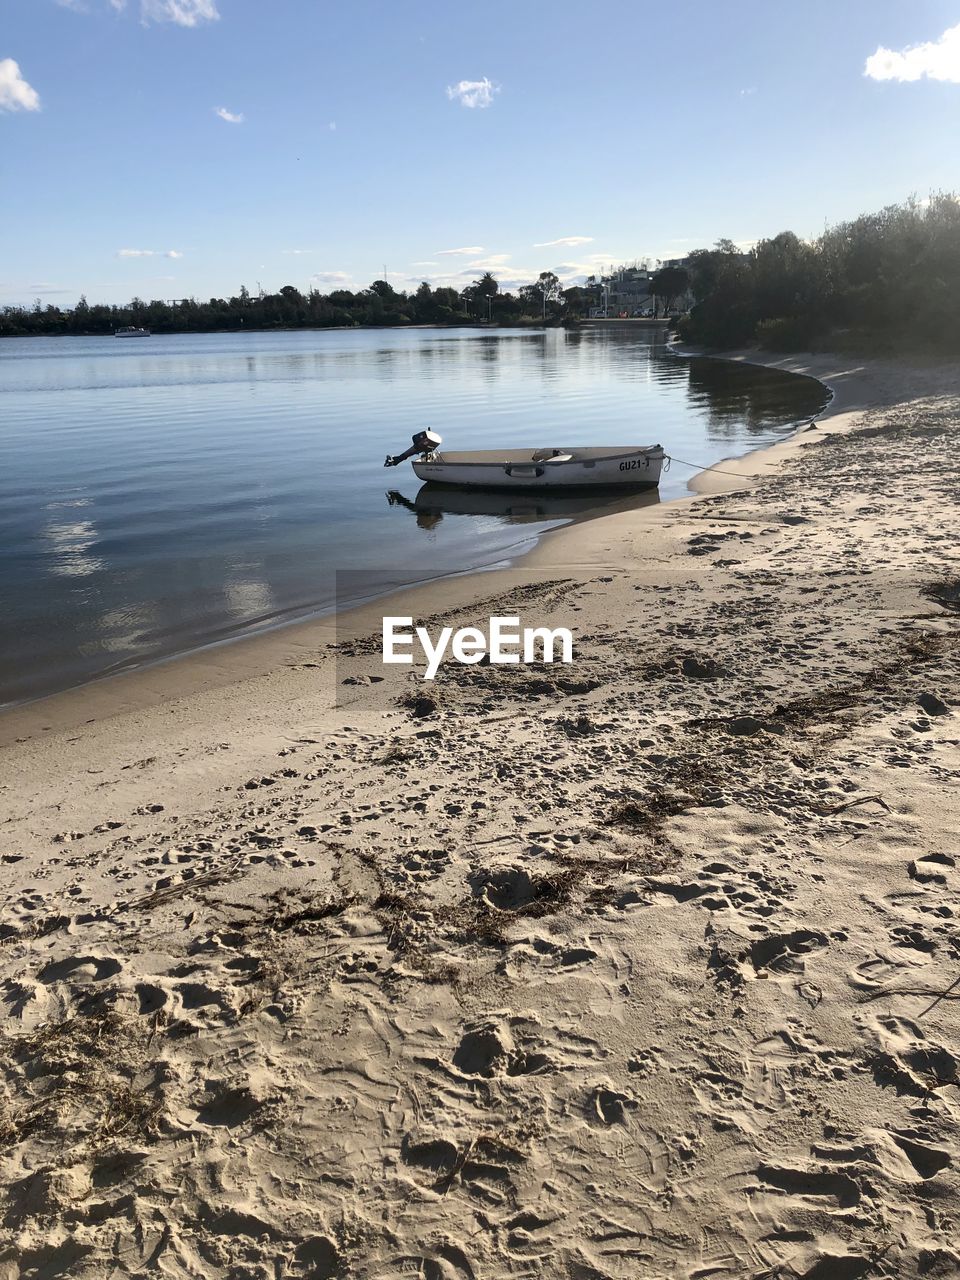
183, 148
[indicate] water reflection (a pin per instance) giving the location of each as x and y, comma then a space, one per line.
249, 600
71, 542
733, 404
434, 501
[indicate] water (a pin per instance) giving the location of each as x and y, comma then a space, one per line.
157, 494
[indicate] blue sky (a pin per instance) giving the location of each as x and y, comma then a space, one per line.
585, 134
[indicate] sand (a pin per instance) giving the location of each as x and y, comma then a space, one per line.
640, 967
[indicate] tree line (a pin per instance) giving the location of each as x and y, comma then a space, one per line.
884, 281
545, 300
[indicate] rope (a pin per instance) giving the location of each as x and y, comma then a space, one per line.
698, 466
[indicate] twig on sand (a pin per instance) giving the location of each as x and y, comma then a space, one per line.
446, 1180
849, 804
944, 995
915, 991
159, 897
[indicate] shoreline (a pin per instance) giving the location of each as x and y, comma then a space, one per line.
305, 328
647, 961
218, 662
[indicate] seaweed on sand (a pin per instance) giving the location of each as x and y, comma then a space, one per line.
85, 1073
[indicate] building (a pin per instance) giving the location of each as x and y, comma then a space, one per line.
626, 292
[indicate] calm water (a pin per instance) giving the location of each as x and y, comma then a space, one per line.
160, 493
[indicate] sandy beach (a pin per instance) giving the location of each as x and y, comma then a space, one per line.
639, 967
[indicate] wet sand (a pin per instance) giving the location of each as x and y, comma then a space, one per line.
640, 966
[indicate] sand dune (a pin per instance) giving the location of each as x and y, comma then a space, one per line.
638, 967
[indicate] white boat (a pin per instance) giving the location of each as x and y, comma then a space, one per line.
591, 467
131, 331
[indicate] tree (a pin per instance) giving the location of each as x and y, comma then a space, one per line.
669, 283
576, 301
545, 291
487, 286
550, 286
478, 297
787, 275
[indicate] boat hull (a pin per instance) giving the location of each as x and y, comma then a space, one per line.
580, 469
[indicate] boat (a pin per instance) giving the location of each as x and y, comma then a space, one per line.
575, 467
131, 331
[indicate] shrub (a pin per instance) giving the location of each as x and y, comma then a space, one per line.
787, 333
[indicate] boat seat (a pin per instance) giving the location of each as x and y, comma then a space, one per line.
552, 455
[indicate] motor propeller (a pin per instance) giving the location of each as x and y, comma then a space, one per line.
423, 442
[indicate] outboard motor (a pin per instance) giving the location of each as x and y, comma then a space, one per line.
423, 442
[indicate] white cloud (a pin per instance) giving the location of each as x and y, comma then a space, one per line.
473, 93
508, 276
936, 59
333, 279
493, 262
748, 93
517, 277
185, 13
564, 241
297, 253
15, 93
473, 248
119, 5
76, 5
149, 253
230, 116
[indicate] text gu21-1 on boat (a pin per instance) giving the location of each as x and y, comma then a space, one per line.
593, 467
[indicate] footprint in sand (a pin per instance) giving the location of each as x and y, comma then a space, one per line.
151, 998
489, 1048
80, 969
608, 1105
229, 1104
781, 952
553, 960
26, 1001
932, 868
926, 1160
484, 1166
425, 864
816, 1184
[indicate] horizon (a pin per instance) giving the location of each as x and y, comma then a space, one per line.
437, 145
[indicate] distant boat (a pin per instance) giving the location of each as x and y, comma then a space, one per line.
131, 331
616, 466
